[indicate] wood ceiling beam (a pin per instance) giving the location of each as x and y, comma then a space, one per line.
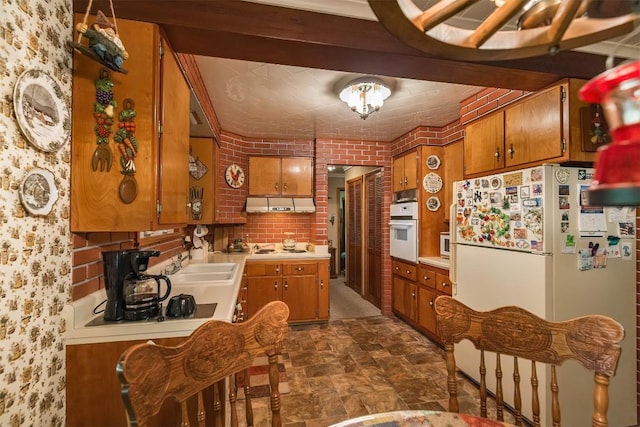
263, 33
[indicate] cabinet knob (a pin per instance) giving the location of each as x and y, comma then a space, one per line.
275, 285
276, 186
406, 181
299, 268
497, 154
397, 268
408, 272
277, 269
284, 187
401, 181
426, 278
445, 284
511, 151
321, 284
286, 285
413, 294
431, 303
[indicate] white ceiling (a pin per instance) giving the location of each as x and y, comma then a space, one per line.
277, 101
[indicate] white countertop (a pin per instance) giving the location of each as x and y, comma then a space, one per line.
435, 262
78, 313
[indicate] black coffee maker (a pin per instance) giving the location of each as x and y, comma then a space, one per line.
132, 295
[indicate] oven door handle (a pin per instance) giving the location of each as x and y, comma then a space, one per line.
400, 225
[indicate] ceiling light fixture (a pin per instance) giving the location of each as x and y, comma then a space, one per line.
365, 95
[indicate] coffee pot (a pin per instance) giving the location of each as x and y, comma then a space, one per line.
132, 295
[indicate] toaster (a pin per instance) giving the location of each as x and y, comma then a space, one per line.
182, 305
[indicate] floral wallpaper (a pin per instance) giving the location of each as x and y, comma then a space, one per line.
35, 249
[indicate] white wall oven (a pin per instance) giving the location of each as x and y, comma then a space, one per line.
403, 242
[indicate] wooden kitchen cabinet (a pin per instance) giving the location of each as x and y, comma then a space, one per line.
484, 144
405, 171
302, 285
405, 296
280, 176
203, 151
543, 127
453, 171
161, 130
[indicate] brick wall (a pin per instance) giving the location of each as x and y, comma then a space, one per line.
88, 269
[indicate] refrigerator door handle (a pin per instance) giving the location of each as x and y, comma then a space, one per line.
452, 249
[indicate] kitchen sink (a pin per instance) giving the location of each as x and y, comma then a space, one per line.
206, 278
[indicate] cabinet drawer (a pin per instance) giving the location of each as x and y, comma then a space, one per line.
427, 277
300, 268
263, 269
443, 283
407, 271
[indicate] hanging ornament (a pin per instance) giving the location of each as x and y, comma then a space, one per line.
103, 112
598, 134
128, 146
103, 42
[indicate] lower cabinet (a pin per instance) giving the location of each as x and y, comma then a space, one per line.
415, 289
93, 389
302, 285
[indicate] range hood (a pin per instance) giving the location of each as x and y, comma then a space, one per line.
280, 204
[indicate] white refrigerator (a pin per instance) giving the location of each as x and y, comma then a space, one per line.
530, 238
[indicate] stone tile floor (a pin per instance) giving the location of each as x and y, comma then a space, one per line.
352, 367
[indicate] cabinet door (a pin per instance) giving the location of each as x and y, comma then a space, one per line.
398, 174
324, 290
533, 128
96, 204
264, 176
202, 150
300, 293
297, 176
174, 143
427, 277
443, 284
405, 299
261, 291
427, 312
411, 171
484, 144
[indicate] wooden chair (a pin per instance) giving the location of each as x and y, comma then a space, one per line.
215, 352
591, 340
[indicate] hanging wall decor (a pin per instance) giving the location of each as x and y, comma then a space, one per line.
41, 111
38, 191
103, 42
128, 146
103, 111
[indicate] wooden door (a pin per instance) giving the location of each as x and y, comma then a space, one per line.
411, 170
398, 174
300, 293
260, 291
354, 234
373, 239
484, 144
297, 176
174, 142
264, 176
533, 128
427, 313
96, 204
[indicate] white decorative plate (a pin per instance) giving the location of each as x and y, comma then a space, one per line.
496, 183
432, 182
433, 162
41, 111
38, 192
433, 203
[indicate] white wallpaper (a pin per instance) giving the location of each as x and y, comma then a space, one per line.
35, 251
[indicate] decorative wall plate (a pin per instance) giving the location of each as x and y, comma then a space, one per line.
41, 111
432, 182
496, 183
38, 192
433, 162
433, 203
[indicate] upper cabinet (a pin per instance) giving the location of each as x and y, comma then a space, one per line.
136, 180
405, 172
280, 176
484, 144
544, 127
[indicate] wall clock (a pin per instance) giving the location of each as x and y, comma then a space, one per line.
234, 175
